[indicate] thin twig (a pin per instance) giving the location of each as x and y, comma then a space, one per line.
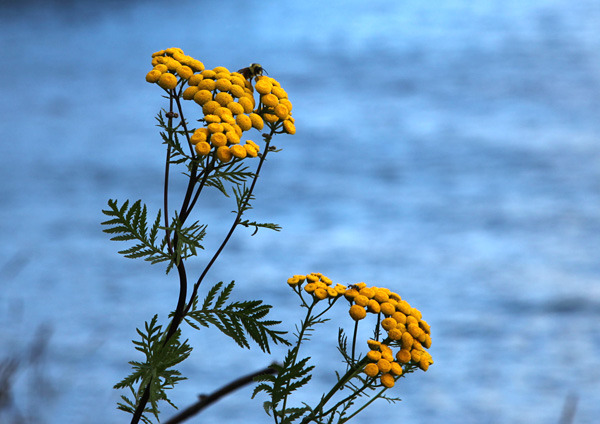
206, 400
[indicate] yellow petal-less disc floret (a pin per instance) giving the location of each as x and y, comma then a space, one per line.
289, 127
153, 76
224, 154
244, 122
257, 121
357, 312
218, 139
252, 152
201, 134
202, 97
371, 370
190, 92
185, 72
387, 380
167, 81
269, 100
202, 148
238, 151
263, 86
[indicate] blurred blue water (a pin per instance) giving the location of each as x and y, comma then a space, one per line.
446, 150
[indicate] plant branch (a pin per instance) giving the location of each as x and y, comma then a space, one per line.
206, 400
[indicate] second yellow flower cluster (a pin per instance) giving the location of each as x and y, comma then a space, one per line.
404, 326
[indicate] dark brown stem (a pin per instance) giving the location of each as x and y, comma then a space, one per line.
236, 222
206, 400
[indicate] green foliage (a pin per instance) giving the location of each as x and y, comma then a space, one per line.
156, 371
130, 223
238, 320
290, 376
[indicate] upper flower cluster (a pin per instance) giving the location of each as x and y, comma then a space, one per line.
228, 104
403, 325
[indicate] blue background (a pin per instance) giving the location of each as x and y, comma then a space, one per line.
446, 150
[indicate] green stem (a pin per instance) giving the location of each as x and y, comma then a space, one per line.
365, 405
338, 386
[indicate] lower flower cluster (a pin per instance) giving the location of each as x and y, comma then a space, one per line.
406, 331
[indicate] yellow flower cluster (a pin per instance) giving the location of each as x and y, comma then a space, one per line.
404, 326
276, 106
227, 101
318, 285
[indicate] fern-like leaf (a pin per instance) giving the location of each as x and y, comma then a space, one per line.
238, 320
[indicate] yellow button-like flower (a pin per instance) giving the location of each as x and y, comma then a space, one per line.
404, 307
368, 292
386, 352
371, 370
281, 111
357, 312
210, 107
395, 334
399, 317
207, 84
211, 118
235, 108
388, 324
373, 344
320, 293
396, 368
201, 134
202, 148
289, 127
286, 103
407, 341
167, 81
223, 84
223, 154
236, 91
384, 365
263, 86
269, 100
238, 151
373, 306
184, 72
215, 128
223, 98
381, 295
403, 356
351, 294
415, 355
253, 144
196, 65
209, 73
246, 103
218, 139
425, 326
387, 380
279, 92
202, 97
361, 300
415, 330
252, 152
195, 79
153, 76
271, 118
232, 137
310, 287
190, 92
374, 355
387, 309
244, 122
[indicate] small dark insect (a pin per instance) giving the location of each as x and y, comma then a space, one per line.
172, 115
254, 70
